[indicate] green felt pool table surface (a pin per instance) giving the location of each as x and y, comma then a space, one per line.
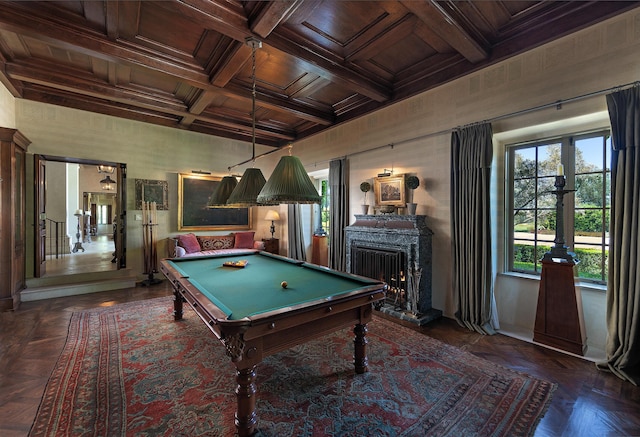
256, 288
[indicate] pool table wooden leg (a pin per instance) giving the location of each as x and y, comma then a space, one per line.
361, 361
177, 305
246, 392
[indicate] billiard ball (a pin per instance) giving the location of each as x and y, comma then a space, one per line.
284, 284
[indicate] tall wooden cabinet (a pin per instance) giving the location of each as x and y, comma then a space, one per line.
13, 150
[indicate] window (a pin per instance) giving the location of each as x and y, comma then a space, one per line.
104, 214
324, 204
531, 171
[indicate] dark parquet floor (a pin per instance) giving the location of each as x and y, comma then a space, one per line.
587, 402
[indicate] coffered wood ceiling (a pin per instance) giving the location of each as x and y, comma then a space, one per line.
185, 64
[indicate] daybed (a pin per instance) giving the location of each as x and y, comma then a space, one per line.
198, 245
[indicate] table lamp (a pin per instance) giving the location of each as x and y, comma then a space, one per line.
273, 216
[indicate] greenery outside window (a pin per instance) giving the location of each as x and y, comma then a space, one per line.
531, 172
324, 205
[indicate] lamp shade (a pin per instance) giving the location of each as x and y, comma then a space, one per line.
78, 212
272, 215
289, 183
247, 190
222, 192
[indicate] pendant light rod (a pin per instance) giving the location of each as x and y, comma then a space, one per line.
279, 149
254, 44
252, 181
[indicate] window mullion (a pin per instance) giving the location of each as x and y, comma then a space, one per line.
568, 154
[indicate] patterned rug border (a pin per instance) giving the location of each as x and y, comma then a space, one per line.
543, 392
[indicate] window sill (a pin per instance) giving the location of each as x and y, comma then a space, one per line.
580, 284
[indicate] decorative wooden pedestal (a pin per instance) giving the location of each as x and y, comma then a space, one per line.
559, 316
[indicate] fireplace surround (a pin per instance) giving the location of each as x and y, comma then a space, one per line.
395, 244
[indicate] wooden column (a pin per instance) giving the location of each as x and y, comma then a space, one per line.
13, 148
559, 316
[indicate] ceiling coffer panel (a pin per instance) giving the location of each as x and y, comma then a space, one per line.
185, 64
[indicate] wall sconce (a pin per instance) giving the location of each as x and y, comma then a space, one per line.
108, 184
273, 216
385, 172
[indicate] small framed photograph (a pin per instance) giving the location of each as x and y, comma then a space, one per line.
152, 191
389, 190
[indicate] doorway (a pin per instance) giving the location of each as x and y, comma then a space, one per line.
81, 219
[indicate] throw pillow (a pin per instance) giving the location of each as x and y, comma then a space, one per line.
216, 242
189, 242
244, 240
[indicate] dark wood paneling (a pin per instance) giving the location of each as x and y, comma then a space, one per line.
184, 63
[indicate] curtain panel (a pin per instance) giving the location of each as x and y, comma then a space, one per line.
339, 213
296, 236
471, 155
623, 291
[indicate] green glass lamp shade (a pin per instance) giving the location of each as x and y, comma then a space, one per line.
289, 183
222, 192
246, 193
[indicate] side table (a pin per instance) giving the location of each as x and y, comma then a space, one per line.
272, 245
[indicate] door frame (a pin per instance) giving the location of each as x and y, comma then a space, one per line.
120, 225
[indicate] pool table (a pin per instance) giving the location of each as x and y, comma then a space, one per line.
254, 314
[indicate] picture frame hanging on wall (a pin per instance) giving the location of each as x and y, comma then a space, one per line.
389, 190
152, 191
194, 191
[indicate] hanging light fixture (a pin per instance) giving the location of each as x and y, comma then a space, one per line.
222, 192
289, 183
108, 184
246, 192
102, 168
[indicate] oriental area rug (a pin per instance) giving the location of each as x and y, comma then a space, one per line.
131, 370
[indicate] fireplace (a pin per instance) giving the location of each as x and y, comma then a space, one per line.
397, 250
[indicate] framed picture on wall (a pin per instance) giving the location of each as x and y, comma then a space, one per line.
193, 213
152, 191
389, 190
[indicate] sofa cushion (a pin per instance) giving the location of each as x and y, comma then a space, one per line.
216, 242
244, 240
189, 242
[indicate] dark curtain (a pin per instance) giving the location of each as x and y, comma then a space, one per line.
338, 213
296, 236
471, 155
623, 291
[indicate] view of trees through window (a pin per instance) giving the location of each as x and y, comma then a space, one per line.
324, 205
533, 168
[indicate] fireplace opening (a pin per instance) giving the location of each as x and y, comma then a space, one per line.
388, 266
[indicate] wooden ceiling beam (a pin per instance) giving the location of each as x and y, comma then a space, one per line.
447, 28
210, 14
71, 81
272, 14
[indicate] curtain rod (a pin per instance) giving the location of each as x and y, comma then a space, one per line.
557, 104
